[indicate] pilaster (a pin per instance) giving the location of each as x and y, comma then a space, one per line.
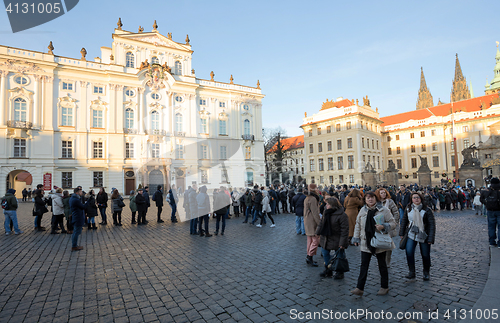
3, 105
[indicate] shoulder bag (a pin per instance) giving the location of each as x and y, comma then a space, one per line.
381, 241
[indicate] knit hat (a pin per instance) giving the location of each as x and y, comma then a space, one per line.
11, 191
312, 187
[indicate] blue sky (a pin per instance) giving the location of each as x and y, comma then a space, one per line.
302, 52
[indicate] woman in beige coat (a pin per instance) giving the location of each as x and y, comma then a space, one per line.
385, 198
311, 222
352, 203
373, 217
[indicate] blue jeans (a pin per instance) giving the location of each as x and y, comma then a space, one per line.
11, 215
77, 230
273, 207
326, 255
91, 220
102, 210
249, 210
493, 224
218, 218
193, 226
425, 251
299, 225
174, 209
256, 214
401, 213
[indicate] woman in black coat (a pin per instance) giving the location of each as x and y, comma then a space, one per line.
91, 210
420, 226
40, 209
102, 204
333, 230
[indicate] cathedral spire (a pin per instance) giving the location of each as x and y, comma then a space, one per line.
495, 82
460, 90
424, 95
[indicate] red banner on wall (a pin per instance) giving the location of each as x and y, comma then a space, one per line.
47, 181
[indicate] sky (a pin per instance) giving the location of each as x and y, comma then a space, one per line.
301, 52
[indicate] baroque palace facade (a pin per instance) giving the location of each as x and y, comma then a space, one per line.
137, 115
344, 136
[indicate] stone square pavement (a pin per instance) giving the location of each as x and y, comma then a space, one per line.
161, 273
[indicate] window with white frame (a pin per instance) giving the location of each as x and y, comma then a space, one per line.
204, 152
67, 179
223, 152
98, 89
222, 127
222, 104
129, 60
129, 150
178, 122
20, 109
155, 120
248, 152
204, 176
67, 149
66, 116
19, 147
155, 60
97, 119
98, 150
177, 68
434, 146
246, 127
21, 80
203, 102
129, 118
98, 179
155, 150
466, 143
351, 178
67, 86
224, 176
179, 151
203, 125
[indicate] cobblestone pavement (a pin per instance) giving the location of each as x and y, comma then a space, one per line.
161, 273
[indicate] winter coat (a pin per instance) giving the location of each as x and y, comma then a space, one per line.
248, 199
40, 205
221, 203
477, 200
141, 203
429, 224
403, 199
203, 201
116, 206
311, 213
359, 230
132, 205
91, 209
258, 200
185, 203
11, 200
158, 198
339, 229
77, 210
146, 197
67, 208
266, 205
102, 200
57, 204
352, 206
298, 203
193, 205
236, 198
389, 203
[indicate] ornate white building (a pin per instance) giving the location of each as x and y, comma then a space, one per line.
137, 115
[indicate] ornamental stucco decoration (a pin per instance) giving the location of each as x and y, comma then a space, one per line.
20, 66
156, 75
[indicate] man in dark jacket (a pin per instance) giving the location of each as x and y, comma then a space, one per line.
298, 205
193, 209
158, 198
172, 197
142, 207
291, 194
203, 202
257, 204
248, 203
221, 205
10, 212
77, 216
273, 197
491, 200
402, 201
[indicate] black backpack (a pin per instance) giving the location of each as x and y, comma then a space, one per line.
492, 201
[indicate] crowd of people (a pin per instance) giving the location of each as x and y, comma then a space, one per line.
331, 217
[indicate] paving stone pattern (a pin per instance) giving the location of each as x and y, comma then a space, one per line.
161, 273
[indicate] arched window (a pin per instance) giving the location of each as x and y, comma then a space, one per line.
129, 118
178, 122
130, 61
155, 60
20, 109
155, 120
246, 127
178, 68
66, 116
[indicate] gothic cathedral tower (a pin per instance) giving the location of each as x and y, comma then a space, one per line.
460, 90
424, 95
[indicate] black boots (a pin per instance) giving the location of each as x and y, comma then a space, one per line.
411, 273
338, 275
327, 273
94, 226
89, 226
311, 262
426, 275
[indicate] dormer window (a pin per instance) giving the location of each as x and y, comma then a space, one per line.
155, 60
129, 60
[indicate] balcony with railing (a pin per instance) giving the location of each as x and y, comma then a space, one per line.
129, 131
180, 134
156, 132
19, 124
248, 137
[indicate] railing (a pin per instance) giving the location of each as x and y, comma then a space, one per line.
156, 132
180, 134
248, 137
19, 124
129, 131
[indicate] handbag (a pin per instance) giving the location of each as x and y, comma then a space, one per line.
402, 243
381, 241
339, 262
120, 203
34, 212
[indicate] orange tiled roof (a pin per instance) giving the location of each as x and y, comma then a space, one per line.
336, 104
470, 105
290, 143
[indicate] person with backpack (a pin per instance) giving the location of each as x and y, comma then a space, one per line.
491, 200
158, 199
9, 206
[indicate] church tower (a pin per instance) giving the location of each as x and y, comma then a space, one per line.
424, 95
460, 90
495, 83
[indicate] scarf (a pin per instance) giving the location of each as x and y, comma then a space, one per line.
417, 229
370, 227
326, 230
